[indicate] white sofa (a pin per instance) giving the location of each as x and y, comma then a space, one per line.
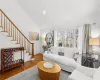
85, 73
66, 62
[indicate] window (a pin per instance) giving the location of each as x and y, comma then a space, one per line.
67, 38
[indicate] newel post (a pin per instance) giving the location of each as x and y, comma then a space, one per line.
32, 49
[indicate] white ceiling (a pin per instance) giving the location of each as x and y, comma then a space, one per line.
60, 13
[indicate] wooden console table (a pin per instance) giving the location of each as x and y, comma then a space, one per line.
7, 58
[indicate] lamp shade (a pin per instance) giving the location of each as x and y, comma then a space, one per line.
94, 41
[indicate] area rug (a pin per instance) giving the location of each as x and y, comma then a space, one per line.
32, 74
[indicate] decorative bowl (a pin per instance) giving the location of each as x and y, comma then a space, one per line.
48, 65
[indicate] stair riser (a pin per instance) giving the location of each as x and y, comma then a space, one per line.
27, 57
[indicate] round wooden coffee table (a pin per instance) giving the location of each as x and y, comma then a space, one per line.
48, 73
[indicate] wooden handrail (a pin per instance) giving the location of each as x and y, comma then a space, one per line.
15, 26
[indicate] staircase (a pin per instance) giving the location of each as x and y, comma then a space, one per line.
11, 31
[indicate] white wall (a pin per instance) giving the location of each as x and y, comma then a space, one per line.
95, 31
21, 19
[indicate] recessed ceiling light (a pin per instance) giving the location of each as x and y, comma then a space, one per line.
44, 12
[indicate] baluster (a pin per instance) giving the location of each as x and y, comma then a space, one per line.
32, 49
22, 40
17, 37
29, 47
13, 33
4, 24
1, 19
16, 34
9, 28
26, 47
24, 43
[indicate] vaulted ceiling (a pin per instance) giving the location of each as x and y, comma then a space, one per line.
60, 13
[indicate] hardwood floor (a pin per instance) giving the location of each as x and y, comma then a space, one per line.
7, 74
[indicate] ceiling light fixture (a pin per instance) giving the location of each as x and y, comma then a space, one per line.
44, 12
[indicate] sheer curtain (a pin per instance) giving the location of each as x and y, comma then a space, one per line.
85, 42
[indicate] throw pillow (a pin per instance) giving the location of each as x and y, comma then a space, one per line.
75, 56
61, 53
96, 75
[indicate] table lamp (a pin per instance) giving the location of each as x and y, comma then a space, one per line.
95, 42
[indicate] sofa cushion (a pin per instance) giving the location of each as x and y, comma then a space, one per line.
51, 56
96, 75
68, 52
76, 75
66, 61
86, 70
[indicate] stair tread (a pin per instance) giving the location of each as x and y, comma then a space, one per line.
17, 43
13, 40
3, 31
9, 36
